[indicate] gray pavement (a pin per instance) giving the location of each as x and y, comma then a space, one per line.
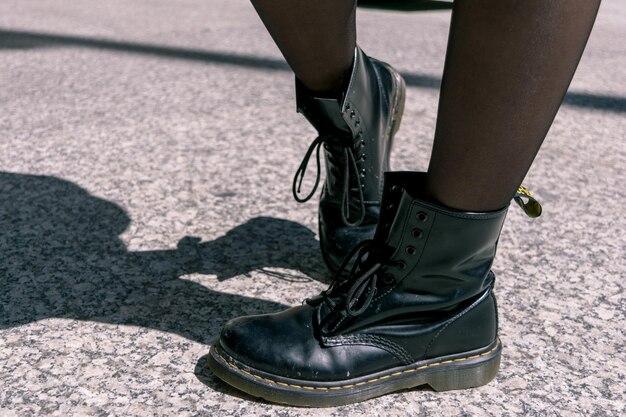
146, 155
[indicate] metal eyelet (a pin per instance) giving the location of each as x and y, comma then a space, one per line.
411, 250
389, 279
401, 264
421, 216
352, 114
391, 206
417, 233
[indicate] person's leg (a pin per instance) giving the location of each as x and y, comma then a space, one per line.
316, 37
508, 66
356, 125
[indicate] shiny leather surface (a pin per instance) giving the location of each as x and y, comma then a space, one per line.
448, 263
439, 302
284, 344
287, 343
360, 119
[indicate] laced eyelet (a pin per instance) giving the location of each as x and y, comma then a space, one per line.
362, 142
352, 114
421, 216
351, 174
401, 264
410, 250
389, 279
363, 157
417, 233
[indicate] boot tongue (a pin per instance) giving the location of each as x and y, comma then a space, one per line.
324, 113
397, 201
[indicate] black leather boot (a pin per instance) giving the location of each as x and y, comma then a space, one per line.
416, 308
356, 131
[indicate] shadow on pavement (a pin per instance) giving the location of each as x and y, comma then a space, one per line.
12, 39
62, 257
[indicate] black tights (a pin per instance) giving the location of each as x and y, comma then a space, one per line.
508, 66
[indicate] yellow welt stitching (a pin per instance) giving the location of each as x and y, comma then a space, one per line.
232, 365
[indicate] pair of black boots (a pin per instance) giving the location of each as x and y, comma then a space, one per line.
412, 301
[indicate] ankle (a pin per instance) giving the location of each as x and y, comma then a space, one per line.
330, 85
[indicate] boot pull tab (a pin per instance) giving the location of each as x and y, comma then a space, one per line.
527, 202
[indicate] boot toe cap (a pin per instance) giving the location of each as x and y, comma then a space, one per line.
284, 344
280, 343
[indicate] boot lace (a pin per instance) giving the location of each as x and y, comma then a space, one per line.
349, 167
346, 290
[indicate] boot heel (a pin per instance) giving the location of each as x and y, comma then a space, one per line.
398, 109
467, 376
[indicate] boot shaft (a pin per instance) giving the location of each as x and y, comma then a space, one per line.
427, 260
356, 119
444, 253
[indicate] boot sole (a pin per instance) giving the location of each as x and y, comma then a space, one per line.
452, 372
393, 125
